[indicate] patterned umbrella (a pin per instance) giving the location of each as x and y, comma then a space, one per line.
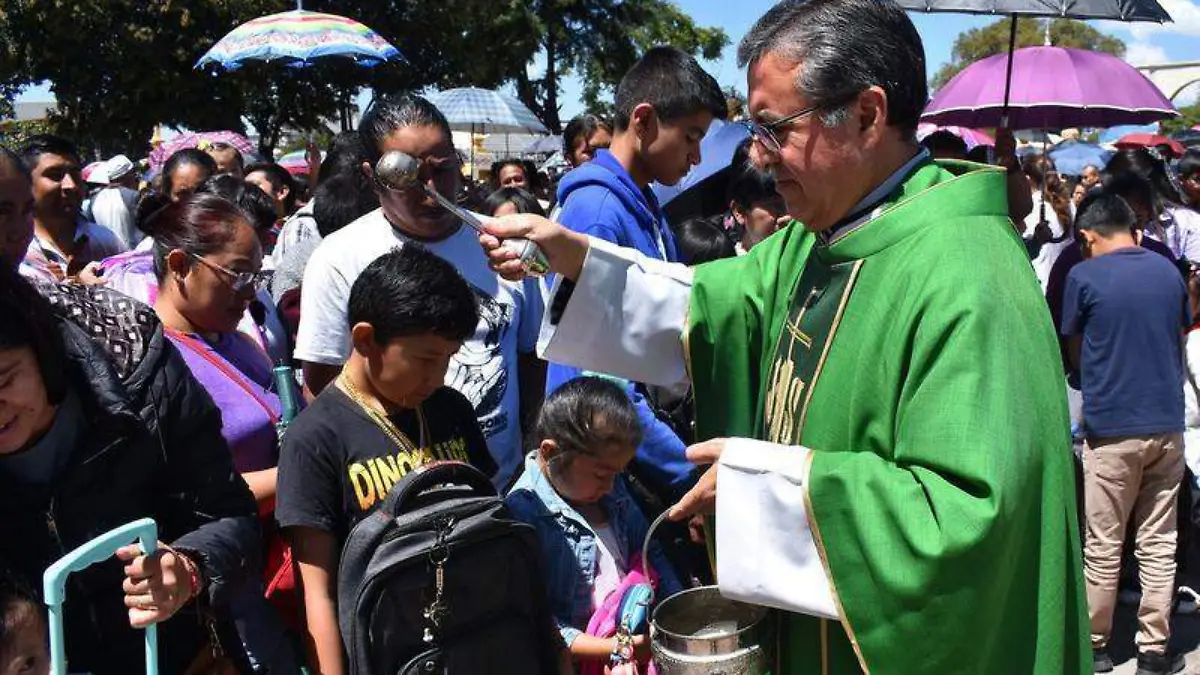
1051, 88
298, 37
486, 111
160, 154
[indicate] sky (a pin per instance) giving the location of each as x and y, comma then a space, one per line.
1146, 43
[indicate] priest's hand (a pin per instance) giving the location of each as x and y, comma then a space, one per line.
565, 250
701, 499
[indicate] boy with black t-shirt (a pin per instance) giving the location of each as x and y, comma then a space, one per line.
387, 413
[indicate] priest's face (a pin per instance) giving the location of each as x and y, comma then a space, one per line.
821, 171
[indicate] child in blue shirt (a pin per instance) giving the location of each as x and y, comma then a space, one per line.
588, 525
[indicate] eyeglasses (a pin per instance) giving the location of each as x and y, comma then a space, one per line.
238, 281
765, 133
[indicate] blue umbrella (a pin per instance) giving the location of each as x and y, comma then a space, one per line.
1113, 134
1070, 157
716, 154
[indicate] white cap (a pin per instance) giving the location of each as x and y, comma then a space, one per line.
118, 166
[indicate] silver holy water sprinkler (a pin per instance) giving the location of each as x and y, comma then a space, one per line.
399, 171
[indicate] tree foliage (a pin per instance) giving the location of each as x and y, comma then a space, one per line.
119, 67
980, 43
1189, 117
599, 40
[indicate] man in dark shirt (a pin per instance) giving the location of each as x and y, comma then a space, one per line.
1124, 311
387, 413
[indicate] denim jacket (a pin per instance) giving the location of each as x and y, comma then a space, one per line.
569, 544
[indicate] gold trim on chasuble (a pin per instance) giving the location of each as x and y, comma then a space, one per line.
811, 323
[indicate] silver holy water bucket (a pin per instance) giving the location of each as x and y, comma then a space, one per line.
699, 632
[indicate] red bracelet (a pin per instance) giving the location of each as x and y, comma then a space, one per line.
195, 581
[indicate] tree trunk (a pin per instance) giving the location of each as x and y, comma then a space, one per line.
550, 107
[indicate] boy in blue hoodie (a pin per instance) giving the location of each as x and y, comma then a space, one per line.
664, 106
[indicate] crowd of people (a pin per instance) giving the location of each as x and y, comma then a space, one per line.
254, 361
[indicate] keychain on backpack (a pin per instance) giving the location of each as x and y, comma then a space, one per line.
436, 611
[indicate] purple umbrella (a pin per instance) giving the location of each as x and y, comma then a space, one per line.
1051, 88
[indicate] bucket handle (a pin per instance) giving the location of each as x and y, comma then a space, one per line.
646, 553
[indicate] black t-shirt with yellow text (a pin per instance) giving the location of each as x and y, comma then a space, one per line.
337, 465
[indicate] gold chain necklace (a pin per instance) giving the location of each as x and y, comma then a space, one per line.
376, 415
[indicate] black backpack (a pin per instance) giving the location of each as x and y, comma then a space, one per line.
445, 522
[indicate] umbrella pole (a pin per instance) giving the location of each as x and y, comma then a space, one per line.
474, 169
1012, 46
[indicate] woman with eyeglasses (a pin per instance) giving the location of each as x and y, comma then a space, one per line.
208, 262
133, 274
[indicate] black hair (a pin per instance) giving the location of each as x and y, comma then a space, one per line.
29, 321
345, 155
17, 597
671, 81
1131, 187
1037, 167
944, 142
47, 144
1105, 213
978, 154
256, 205
340, 201
500, 164
411, 291
222, 146
1150, 166
201, 224
278, 177
749, 186
11, 161
587, 414
846, 46
187, 157
390, 113
702, 240
522, 199
581, 126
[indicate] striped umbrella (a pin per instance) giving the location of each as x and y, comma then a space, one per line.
297, 38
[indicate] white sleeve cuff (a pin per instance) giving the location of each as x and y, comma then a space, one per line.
766, 554
626, 317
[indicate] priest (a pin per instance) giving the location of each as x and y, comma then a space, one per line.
879, 382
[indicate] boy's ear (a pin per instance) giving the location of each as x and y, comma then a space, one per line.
362, 336
548, 448
644, 121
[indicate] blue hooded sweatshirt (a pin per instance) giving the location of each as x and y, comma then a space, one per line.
600, 199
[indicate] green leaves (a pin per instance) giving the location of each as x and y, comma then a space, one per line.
980, 43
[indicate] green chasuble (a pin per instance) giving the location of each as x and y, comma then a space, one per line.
916, 358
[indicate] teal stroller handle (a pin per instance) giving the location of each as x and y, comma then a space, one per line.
54, 584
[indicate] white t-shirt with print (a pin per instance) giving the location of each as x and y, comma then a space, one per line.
484, 370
